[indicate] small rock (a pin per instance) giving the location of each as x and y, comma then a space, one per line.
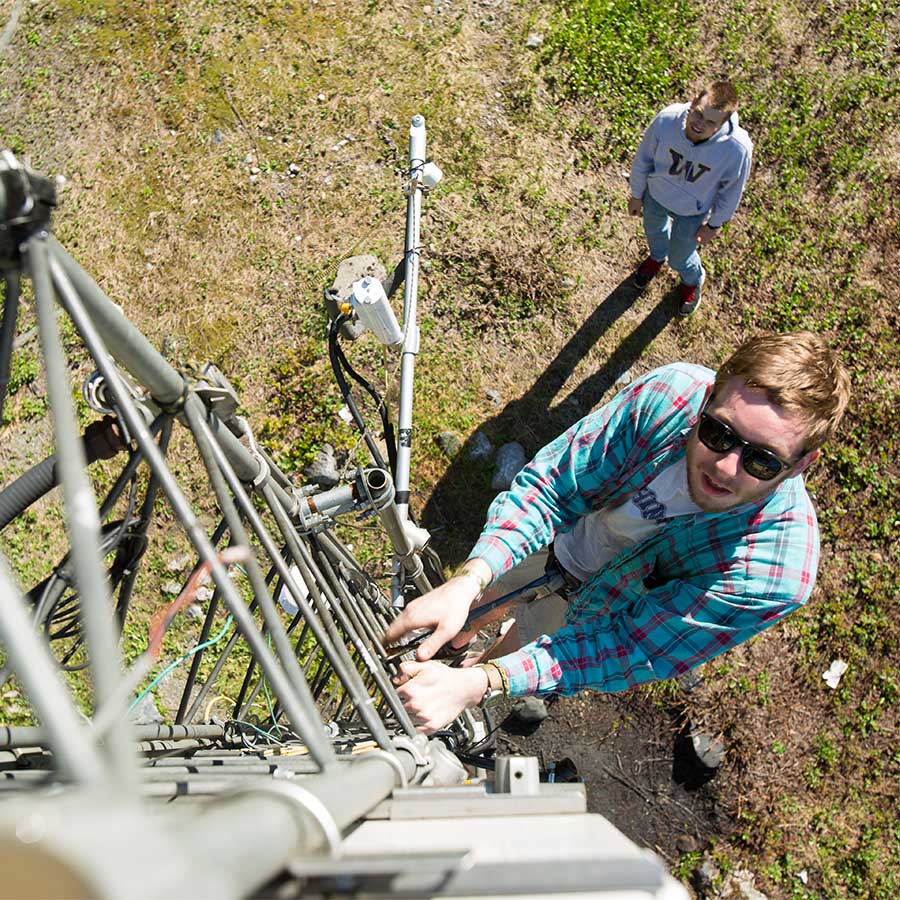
194, 611
710, 752
179, 563
173, 588
293, 170
510, 459
320, 98
739, 884
449, 442
686, 843
533, 41
286, 598
531, 710
495, 397
60, 181
145, 713
803, 875
217, 136
481, 447
255, 170
323, 469
204, 594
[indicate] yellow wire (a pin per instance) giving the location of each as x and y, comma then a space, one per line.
212, 703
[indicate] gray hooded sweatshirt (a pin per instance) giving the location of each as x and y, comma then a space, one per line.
692, 179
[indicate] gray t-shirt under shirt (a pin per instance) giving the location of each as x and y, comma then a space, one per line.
600, 536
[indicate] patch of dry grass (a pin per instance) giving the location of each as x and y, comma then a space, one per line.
221, 159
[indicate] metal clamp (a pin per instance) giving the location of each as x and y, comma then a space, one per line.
175, 407
395, 764
415, 747
309, 803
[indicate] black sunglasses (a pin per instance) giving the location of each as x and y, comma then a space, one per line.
762, 464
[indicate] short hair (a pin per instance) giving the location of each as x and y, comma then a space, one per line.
798, 372
722, 96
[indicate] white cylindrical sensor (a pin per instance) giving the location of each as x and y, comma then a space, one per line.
371, 305
431, 175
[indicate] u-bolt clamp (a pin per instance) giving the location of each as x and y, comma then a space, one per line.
415, 747
395, 764
302, 801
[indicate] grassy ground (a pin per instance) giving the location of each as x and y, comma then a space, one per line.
220, 159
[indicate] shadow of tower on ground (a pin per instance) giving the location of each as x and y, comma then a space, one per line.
456, 510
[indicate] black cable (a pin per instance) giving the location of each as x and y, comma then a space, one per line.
8, 332
333, 327
480, 762
386, 426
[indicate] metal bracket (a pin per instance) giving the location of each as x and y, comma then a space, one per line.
217, 392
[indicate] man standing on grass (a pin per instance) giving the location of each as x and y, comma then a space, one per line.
687, 178
678, 517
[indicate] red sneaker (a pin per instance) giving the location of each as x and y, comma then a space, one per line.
646, 272
690, 298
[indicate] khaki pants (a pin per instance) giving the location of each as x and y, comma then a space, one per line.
545, 614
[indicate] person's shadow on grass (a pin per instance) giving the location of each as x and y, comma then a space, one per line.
455, 511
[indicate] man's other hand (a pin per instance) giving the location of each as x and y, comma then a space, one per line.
635, 206
444, 610
435, 694
706, 235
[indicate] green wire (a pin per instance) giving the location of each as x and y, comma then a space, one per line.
180, 660
268, 734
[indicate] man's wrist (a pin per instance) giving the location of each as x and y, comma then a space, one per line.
481, 579
497, 683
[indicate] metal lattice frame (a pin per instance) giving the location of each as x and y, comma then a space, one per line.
324, 667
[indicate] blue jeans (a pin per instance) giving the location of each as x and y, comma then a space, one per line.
674, 237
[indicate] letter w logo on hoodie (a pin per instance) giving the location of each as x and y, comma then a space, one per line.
680, 164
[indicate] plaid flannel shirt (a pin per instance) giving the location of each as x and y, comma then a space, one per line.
697, 586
